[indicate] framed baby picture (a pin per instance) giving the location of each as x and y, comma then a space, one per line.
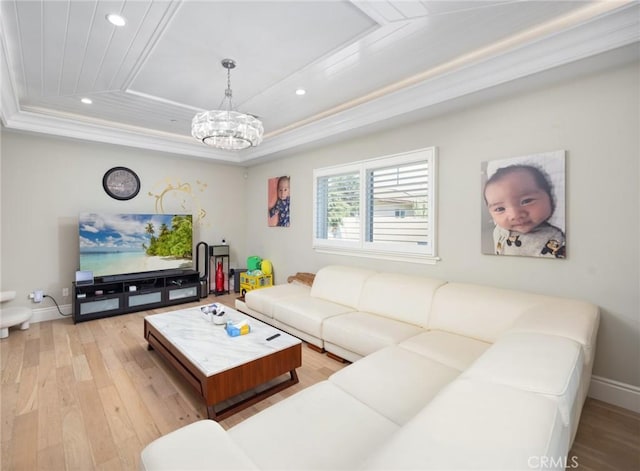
279, 201
523, 206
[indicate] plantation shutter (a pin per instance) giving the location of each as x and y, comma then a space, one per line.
398, 204
338, 207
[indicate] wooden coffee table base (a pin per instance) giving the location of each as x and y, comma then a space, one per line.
234, 382
251, 400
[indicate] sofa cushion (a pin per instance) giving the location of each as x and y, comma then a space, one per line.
410, 300
321, 427
477, 425
200, 445
576, 320
365, 333
543, 364
395, 382
480, 312
449, 349
340, 284
306, 313
263, 300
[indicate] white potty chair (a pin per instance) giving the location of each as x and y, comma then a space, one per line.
10, 316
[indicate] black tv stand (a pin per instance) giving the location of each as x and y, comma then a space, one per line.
121, 294
147, 274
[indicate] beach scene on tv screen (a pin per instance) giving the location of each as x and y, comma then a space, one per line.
112, 244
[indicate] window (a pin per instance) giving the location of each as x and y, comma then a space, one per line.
383, 208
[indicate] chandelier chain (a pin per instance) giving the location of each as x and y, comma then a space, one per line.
228, 93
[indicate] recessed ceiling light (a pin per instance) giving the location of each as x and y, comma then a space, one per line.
116, 19
300, 91
87, 101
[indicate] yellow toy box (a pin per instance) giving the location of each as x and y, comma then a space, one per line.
250, 282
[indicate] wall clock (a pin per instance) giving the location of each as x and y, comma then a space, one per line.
121, 183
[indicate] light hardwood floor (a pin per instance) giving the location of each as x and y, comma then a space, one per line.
91, 396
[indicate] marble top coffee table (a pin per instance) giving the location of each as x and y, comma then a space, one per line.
221, 367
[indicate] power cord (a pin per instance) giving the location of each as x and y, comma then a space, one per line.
56, 303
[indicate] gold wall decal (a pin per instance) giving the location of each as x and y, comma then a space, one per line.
180, 196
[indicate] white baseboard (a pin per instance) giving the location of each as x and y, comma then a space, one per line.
49, 313
616, 393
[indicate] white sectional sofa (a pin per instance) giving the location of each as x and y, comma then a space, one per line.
444, 376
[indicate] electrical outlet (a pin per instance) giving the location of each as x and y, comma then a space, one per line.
38, 296
65, 292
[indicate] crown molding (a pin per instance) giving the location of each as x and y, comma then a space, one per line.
125, 136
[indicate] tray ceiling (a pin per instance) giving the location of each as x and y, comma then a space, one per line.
362, 63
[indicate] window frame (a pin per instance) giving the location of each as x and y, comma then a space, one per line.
407, 252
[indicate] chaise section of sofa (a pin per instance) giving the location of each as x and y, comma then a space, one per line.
477, 425
197, 446
321, 427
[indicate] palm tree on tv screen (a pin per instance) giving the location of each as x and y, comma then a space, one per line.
171, 242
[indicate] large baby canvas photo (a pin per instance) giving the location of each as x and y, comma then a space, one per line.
279, 201
523, 206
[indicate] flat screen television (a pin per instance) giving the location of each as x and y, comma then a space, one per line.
121, 244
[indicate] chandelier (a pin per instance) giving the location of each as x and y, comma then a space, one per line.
224, 128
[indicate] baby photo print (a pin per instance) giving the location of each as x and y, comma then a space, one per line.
279, 196
523, 206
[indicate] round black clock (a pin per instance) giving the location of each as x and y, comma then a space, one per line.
121, 183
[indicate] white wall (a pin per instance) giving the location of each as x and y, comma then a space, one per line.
47, 182
595, 119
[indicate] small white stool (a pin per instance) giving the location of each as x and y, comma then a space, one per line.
10, 316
